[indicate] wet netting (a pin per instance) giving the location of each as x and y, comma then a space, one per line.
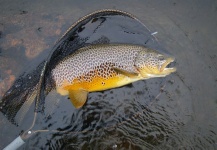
104, 110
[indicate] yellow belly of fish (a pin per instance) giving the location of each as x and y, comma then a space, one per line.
78, 89
96, 84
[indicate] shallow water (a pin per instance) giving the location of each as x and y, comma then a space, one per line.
183, 116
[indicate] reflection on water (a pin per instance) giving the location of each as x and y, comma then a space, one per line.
176, 112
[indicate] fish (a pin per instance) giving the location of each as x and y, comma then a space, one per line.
101, 67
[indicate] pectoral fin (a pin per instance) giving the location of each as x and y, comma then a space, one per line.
78, 97
126, 73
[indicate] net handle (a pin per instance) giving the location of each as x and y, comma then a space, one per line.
15, 144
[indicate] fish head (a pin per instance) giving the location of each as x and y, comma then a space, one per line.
151, 63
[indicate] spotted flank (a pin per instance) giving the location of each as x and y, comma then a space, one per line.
102, 67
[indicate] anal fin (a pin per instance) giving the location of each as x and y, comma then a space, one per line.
78, 97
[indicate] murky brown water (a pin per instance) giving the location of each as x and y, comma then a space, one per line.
184, 115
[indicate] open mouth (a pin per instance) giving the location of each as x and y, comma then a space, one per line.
167, 66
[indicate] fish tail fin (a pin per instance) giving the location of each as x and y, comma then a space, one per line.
17, 100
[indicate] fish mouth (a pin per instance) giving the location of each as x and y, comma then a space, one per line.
166, 66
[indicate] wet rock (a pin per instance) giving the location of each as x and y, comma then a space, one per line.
6, 83
33, 32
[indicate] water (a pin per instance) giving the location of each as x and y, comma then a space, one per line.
183, 116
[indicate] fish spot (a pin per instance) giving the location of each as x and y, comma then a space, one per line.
22, 12
39, 29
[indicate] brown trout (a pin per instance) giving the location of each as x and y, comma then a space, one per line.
101, 67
